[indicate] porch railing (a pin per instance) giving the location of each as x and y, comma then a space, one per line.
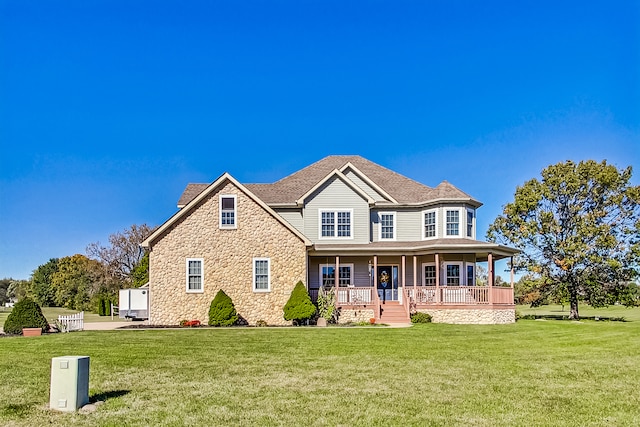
355, 296
460, 295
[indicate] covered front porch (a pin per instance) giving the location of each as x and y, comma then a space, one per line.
390, 283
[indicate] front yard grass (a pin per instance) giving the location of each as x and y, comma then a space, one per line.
532, 373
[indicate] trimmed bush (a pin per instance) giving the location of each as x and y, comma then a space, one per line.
420, 318
222, 311
25, 314
299, 307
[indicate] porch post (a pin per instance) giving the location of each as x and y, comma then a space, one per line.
490, 278
437, 277
375, 286
415, 277
336, 274
512, 278
404, 277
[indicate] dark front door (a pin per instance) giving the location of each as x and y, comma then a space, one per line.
387, 276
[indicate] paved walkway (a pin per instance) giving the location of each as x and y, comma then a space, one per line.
105, 326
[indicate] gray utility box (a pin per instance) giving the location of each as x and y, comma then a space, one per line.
69, 383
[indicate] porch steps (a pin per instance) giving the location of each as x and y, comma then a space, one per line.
393, 313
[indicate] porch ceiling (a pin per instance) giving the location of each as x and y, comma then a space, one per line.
426, 247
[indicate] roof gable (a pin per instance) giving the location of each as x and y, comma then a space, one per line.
193, 203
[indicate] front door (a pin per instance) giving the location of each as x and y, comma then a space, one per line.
387, 276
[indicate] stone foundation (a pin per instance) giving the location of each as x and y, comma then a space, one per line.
468, 316
349, 315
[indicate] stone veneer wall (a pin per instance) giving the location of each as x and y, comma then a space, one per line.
472, 316
349, 315
228, 262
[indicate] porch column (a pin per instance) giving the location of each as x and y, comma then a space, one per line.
437, 278
415, 277
512, 278
490, 278
375, 273
404, 276
336, 274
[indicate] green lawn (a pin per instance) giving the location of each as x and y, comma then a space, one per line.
52, 313
532, 373
630, 314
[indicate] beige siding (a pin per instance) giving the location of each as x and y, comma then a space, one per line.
335, 194
293, 217
364, 186
228, 263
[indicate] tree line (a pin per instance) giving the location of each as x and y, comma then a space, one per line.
77, 282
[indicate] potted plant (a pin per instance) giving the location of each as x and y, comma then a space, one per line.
326, 305
26, 318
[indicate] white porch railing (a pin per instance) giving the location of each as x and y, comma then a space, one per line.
355, 296
73, 322
460, 295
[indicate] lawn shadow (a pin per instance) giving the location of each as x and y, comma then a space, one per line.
102, 397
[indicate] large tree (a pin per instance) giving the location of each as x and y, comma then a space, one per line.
579, 232
42, 290
78, 279
123, 254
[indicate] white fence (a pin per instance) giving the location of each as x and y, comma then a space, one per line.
73, 322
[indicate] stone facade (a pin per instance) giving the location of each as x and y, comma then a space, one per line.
227, 256
350, 315
471, 316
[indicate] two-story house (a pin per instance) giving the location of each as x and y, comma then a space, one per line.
391, 244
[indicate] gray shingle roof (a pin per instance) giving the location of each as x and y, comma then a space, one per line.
289, 189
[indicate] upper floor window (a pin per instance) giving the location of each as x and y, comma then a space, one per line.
195, 274
453, 223
261, 274
387, 226
228, 211
336, 224
469, 223
430, 224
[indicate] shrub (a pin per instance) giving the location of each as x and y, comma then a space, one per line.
420, 317
299, 307
261, 323
25, 314
222, 311
327, 304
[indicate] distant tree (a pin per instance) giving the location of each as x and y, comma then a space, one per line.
77, 280
482, 276
123, 253
578, 229
18, 289
140, 273
42, 290
4, 290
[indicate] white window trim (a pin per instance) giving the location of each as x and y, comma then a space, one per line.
235, 211
424, 213
473, 224
194, 291
395, 228
320, 283
463, 273
462, 222
253, 265
335, 229
422, 277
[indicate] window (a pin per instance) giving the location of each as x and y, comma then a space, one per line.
228, 211
387, 226
429, 224
453, 275
327, 275
469, 223
429, 275
335, 224
261, 274
195, 275
453, 223
470, 275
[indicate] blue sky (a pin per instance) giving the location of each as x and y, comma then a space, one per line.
109, 108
